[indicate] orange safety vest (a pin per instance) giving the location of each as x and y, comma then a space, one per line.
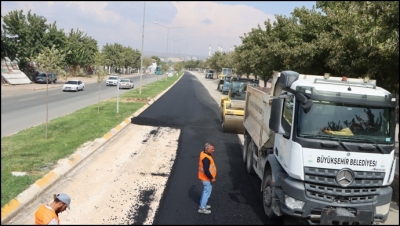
213, 168
44, 215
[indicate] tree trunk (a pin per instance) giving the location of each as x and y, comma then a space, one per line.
98, 104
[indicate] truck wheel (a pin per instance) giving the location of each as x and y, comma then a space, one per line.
249, 158
245, 147
268, 194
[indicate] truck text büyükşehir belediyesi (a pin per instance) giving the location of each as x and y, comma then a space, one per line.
323, 147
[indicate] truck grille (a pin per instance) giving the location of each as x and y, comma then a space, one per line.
321, 184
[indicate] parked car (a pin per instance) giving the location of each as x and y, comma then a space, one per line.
73, 85
126, 84
52, 77
112, 81
42, 78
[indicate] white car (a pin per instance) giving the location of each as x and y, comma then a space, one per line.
112, 81
126, 83
73, 85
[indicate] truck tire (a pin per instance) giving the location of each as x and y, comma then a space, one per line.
245, 147
249, 158
268, 194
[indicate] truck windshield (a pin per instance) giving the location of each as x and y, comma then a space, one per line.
355, 123
238, 89
226, 71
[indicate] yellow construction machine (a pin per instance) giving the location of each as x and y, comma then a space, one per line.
232, 105
225, 74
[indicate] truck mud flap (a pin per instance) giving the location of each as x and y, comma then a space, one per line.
341, 216
233, 124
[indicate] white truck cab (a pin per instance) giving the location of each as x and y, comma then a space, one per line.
323, 147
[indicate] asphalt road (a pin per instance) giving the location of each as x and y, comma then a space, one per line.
236, 196
19, 112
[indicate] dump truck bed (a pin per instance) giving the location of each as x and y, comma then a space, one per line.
257, 112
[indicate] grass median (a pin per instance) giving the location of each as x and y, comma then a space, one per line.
29, 151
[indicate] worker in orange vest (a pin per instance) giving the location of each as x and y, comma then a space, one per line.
47, 214
207, 174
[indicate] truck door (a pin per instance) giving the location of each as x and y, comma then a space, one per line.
283, 141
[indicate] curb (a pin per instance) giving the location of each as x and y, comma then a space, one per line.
66, 165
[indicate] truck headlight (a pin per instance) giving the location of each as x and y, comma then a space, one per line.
384, 209
293, 203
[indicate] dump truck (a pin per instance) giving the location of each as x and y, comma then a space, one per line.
322, 146
232, 105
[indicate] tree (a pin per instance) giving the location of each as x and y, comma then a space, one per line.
164, 67
49, 60
99, 71
147, 61
363, 40
29, 31
179, 66
212, 61
9, 46
56, 37
132, 57
158, 60
80, 50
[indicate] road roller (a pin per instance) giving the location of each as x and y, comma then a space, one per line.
232, 105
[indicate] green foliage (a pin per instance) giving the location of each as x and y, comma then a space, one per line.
50, 60
132, 57
99, 62
179, 66
30, 32
158, 60
193, 64
164, 66
356, 39
80, 51
117, 55
147, 61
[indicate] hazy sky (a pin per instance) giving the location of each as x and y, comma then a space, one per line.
205, 24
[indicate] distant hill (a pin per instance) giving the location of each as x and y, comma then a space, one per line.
163, 55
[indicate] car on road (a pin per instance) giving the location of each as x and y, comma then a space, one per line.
126, 84
112, 81
73, 85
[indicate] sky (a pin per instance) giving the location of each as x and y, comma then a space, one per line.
186, 27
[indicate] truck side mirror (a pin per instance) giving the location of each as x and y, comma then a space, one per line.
307, 106
305, 102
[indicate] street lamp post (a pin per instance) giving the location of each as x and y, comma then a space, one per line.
141, 58
168, 28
